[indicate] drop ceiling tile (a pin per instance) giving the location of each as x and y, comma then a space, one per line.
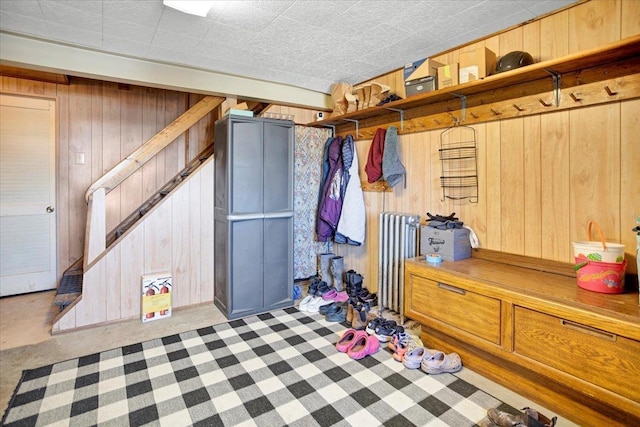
317, 13
174, 41
92, 7
23, 24
124, 30
242, 15
173, 21
21, 7
230, 36
134, 11
70, 17
77, 36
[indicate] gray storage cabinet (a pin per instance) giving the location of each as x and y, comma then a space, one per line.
253, 215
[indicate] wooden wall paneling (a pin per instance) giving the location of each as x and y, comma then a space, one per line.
477, 219
554, 36
181, 242
192, 245
62, 180
79, 175
630, 177
532, 187
512, 227
113, 284
594, 24
630, 19
92, 309
437, 205
494, 187
111, 147
555, 216
131, 195
531, 41
150, 128
97, 123
206, 232
132, 251
157, 239
594, 150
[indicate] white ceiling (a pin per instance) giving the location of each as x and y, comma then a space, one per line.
307, 44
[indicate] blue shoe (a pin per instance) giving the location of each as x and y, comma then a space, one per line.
339, 315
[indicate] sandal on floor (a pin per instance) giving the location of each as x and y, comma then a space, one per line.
440, 363
363, 346
347, 339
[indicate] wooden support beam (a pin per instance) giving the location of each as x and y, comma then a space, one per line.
153, 146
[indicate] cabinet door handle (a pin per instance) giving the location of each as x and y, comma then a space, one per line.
589, 330
451, 288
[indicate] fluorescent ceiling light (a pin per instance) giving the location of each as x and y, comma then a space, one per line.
198, 7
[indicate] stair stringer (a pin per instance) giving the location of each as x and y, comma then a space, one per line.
175, 236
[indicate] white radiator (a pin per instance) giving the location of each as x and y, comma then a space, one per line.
398, 240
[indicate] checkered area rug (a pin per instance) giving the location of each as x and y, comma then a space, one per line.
274, 369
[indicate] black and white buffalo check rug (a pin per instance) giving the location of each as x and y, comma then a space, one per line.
274, 369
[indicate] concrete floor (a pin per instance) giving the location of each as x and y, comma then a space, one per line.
26, 342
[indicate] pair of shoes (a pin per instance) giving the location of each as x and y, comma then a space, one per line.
440, 363
334, 295
325, 309
352, 282
312, 304
392, 97
529, 418
387, 329
357, 344
360, 319
373, 324
404, 344
338, 314
413, 358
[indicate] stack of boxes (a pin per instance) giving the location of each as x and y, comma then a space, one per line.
427, 75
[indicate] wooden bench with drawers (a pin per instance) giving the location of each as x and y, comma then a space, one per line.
524, 323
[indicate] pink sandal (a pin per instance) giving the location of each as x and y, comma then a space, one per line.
348, 338
363, 345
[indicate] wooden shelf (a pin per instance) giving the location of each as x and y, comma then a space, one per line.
511, 86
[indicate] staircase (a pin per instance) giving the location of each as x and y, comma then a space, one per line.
70, 291
71, 283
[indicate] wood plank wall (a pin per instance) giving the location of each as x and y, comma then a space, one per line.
542, 178
106, 122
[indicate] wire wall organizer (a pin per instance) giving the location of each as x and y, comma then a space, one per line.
459, 158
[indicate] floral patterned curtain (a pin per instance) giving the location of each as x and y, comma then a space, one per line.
309, 146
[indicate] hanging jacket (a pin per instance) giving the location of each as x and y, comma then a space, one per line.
392, 169
352, 223
373, 168
331, 202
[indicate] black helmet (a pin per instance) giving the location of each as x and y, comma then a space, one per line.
513, 60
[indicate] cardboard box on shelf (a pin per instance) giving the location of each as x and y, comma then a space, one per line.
476, 64
448, 75
423, 68
418, 86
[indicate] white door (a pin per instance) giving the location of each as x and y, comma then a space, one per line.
27, 195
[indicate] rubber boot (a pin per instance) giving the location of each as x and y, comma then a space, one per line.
356, 284
337, 269
324, 266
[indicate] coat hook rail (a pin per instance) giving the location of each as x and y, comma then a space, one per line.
609, 91
494, 112
575, 98
517, 107
475, 116
401, 116
546, 104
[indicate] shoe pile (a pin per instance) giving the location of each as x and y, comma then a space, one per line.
528, 418
321, 294
357, 344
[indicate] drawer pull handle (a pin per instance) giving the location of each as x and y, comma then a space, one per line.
451, 288
589, 330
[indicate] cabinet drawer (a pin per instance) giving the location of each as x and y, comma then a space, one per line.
596, 356
471, 312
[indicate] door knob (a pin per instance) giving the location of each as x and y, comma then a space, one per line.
50, 209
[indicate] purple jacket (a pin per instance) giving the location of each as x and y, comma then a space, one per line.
331, 200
